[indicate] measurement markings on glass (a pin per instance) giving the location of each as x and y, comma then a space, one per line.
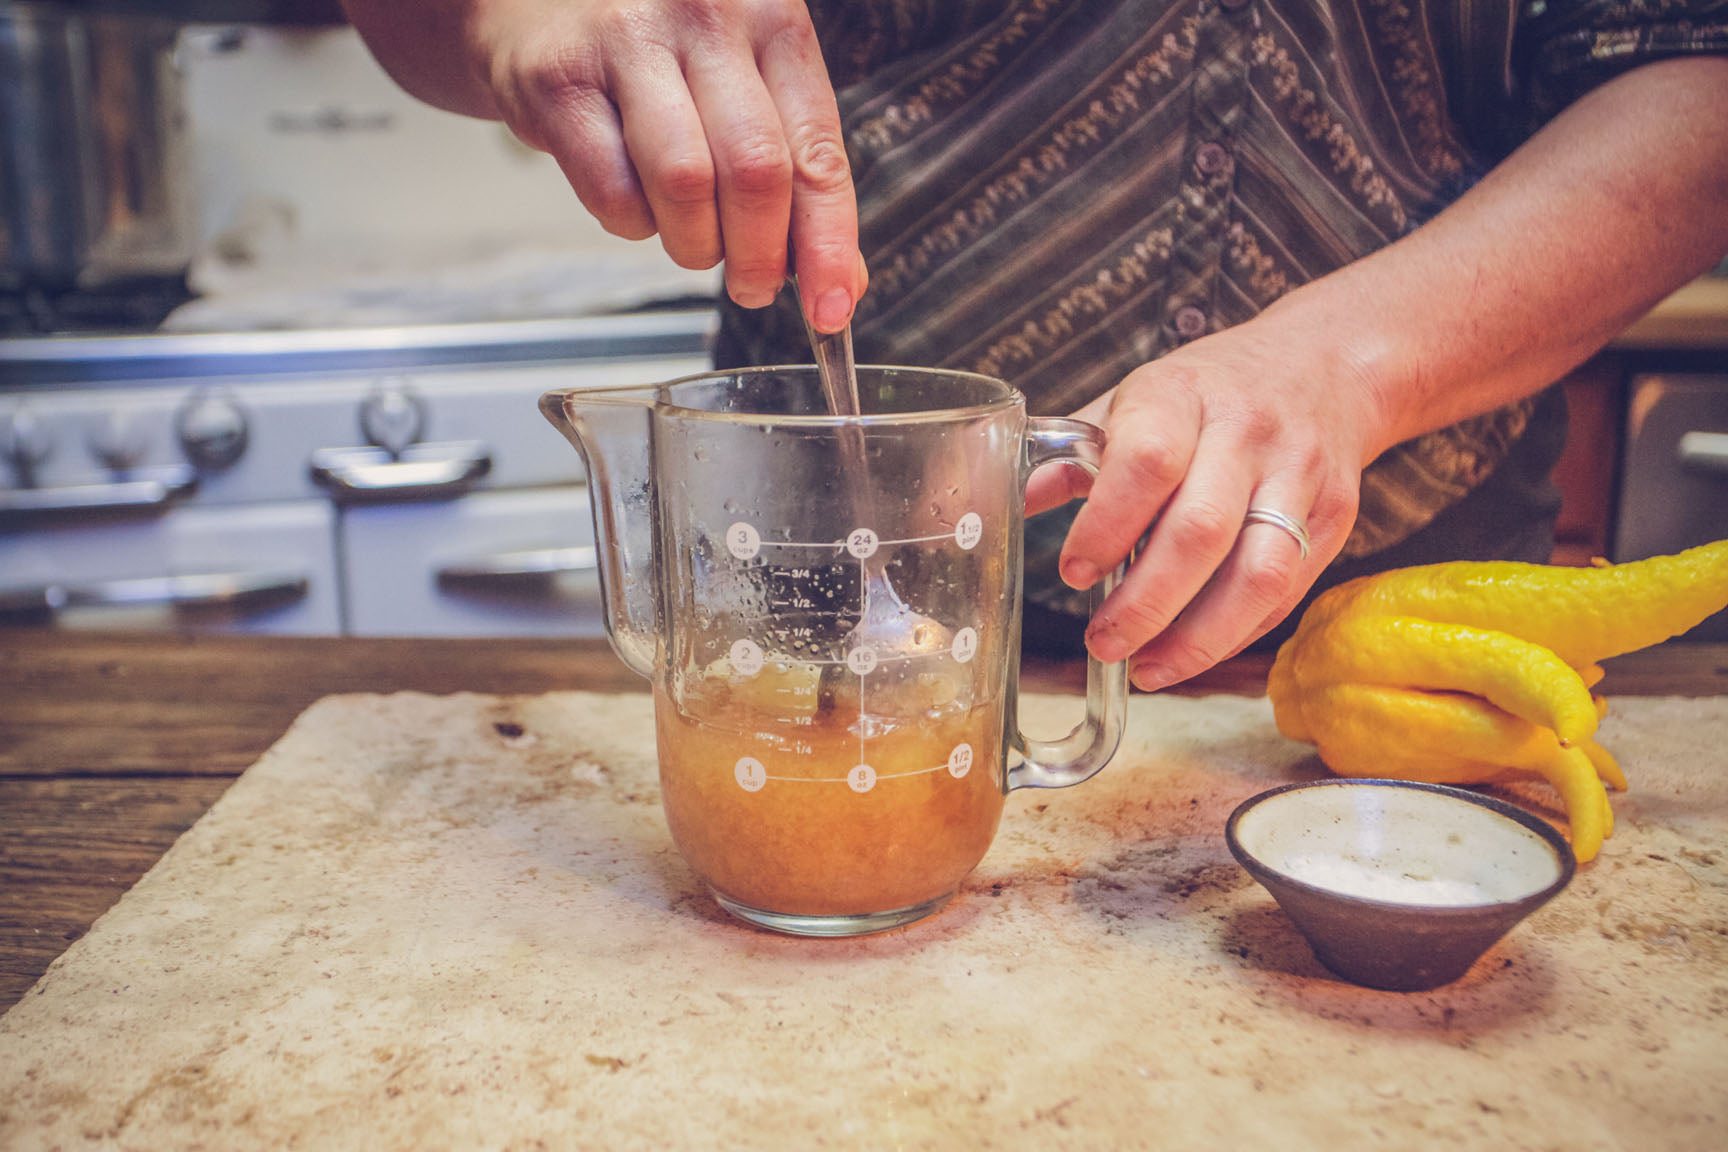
752, 775
746, 657
744, 541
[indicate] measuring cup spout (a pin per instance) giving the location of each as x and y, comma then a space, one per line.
610, 428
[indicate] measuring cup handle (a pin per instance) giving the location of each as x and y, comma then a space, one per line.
1080, 754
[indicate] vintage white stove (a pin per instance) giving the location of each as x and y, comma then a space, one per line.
329, 424
367, 481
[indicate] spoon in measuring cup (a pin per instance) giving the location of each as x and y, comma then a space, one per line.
834, 363
887, 627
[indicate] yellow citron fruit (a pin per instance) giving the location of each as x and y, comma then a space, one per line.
1582, 615
1474, 672
1523, 678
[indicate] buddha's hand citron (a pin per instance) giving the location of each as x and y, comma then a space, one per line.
1475, 672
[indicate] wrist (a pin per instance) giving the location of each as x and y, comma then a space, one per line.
1358, 356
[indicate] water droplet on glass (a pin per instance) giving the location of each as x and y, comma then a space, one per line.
870, 725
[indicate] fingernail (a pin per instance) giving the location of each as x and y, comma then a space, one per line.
833, 310
1150, 677
1103, 642
754, 299
1080, 574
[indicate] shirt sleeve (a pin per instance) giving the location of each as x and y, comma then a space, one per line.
860, 37
1564, 48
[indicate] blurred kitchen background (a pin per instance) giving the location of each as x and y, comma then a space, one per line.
272, 333
272, 336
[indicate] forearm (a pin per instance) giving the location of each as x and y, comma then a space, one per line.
1614, 204
422, 44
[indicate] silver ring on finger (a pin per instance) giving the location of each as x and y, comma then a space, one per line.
1297, 530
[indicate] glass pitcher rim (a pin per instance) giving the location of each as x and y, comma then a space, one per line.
633, 394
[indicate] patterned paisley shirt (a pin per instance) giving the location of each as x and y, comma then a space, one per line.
1057, 191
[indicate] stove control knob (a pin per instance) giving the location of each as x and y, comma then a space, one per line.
212, 429
120, 442
25, 441
392, 416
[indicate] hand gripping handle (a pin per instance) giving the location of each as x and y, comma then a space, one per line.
1080, 754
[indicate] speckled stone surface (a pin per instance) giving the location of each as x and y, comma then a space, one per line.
458, 922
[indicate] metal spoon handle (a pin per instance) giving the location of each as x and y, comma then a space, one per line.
839, 374
834, 362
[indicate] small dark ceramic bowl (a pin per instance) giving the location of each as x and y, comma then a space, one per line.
1398, 885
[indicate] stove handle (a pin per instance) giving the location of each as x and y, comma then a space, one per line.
421, 472
1704, 451
510, 571
196, 592
142, 494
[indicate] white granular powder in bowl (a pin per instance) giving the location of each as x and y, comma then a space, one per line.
1399, 845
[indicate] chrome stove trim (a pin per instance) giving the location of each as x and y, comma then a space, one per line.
41, 361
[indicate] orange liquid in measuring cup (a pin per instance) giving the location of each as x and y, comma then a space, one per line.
790, 833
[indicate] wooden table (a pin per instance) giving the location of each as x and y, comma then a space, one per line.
113, 745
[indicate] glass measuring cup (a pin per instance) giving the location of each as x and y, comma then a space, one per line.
817, 783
